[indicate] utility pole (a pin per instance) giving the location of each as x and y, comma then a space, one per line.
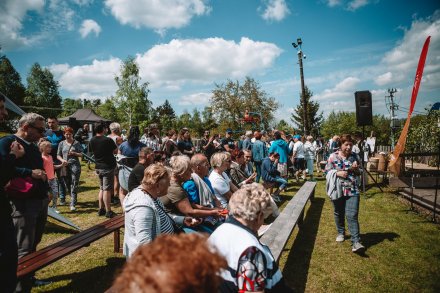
393, 106
302, 56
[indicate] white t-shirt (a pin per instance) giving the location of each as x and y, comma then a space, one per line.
220, 184
298, 148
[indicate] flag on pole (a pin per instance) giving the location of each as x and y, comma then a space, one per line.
400, 146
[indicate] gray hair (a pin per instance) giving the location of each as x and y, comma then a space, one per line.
217, 159
115, 126
179, 165
197, 159
30, 119
249, 201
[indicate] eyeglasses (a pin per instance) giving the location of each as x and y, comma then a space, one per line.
39, 129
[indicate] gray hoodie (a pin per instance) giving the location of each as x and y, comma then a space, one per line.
142, 221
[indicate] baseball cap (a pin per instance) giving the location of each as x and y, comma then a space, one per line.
297, 136
229, 130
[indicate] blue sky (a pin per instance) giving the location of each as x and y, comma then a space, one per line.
183, 47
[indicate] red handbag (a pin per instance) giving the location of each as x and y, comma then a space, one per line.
20, 187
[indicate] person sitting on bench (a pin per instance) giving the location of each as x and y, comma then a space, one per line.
272, 176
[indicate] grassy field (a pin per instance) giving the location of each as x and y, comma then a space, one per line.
403, 249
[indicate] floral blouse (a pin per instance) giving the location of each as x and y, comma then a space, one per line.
350, 185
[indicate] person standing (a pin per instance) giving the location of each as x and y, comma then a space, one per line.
82, 136
184, 143
280, 146
8, 241
309, 156
29, 207
115, 134
69, 152
55, 135
207, 143
298, 156
259, 152
146, 158
104, 149
342, 186
228, 143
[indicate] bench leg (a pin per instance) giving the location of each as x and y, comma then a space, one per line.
116, 241
300, 219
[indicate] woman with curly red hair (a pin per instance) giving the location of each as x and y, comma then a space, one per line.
172, 263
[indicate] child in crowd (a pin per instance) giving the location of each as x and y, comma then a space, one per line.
49, 168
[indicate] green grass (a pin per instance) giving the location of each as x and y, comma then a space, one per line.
403, 249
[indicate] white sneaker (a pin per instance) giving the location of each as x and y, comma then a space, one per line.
56, 211
72, 208
357, 247
340, 238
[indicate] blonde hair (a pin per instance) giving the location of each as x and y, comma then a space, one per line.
179, 165
153, 174
218, 158
115, 126
249, 201
43, 144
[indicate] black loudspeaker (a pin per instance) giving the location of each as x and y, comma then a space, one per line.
364, 112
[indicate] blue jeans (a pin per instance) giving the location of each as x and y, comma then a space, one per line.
347, 206
258, 169
282, 182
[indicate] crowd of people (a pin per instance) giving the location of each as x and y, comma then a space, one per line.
169, 185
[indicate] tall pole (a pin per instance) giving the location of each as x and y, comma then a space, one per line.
303, 92
393, 118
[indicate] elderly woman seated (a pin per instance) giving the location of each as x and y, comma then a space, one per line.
200, 191
241, 173
221, 183
176, 201
145, 217
251, 266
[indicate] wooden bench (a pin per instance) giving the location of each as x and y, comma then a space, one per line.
44, 257
279, 232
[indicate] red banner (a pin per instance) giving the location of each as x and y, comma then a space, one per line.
400, 146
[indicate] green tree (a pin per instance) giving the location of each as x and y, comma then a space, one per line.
108, 110
196, 123
166, 115
10, 81
230, 101
70, 106
314, 117
42, 90
184, 120
284, 126
208, 121
345, 122
132, 95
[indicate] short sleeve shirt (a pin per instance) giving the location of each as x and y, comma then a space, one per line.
220, 184
298, 147
175, 194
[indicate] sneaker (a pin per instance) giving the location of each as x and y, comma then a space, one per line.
357, 247
38, 282
276, 198
72, 208
101, 212
340, 238
110, 214
56, 211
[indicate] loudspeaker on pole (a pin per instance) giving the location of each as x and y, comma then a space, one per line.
364, 112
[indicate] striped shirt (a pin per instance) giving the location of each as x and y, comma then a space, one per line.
166, 226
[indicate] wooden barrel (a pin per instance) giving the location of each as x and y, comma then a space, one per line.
372, 164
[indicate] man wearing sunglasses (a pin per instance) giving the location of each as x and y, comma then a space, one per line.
29, 206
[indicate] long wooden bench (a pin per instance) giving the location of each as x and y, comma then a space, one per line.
278, 234
44, 257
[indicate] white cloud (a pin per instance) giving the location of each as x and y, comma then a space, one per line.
333, 3
158, 15
340, 91
356, 4
276, 10
89, 26
12, 16
195, 99
384, 79
401, 62
205, 60
56, 18
96, 79
173, 65
83, 2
